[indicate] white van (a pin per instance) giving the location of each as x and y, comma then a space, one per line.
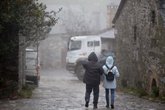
32, 66
80, 47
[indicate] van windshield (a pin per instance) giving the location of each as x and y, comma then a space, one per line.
75, 45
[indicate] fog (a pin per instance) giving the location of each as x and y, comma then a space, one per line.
90, 12
77, 17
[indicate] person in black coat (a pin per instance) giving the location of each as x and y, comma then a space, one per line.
93, 72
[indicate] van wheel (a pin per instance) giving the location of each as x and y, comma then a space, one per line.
79, 70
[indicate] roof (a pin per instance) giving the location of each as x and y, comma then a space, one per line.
84, 37
119, 10
113, 2
108, 34
30, 50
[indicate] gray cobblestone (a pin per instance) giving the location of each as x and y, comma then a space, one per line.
60, 90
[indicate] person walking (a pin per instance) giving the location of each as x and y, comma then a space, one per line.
93, 72
110, 85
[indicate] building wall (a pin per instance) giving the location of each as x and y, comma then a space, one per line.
111, 11
141, 45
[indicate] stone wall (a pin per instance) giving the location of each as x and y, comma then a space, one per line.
141, 45
111, 10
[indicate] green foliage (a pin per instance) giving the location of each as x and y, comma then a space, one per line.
155, 92
142, 92
154, 96
30, 16
22, 22
26, 91
138, 92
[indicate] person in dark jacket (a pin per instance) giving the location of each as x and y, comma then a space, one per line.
93, 72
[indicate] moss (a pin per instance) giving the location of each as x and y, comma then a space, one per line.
155, 92
135, 91
143, 94
162, 98
26, 91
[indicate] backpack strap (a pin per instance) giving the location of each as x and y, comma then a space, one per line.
108, 67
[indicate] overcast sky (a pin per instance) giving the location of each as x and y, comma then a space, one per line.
64, 2
94, 11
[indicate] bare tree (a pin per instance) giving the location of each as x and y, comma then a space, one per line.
75, 23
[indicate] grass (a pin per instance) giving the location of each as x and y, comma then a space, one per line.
133, 91
143, 94
26, 91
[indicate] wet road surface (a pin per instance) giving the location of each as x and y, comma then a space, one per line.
61, 90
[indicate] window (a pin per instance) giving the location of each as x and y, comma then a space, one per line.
153, 16
90, 44
75, 45
135, 33
93, 43
96, 43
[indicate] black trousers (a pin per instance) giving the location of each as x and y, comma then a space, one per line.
89, 89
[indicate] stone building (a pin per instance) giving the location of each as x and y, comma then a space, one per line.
140, 35
111, 10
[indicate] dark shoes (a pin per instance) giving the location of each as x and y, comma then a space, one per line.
86, 104
112, 106
95, 107
107, 106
